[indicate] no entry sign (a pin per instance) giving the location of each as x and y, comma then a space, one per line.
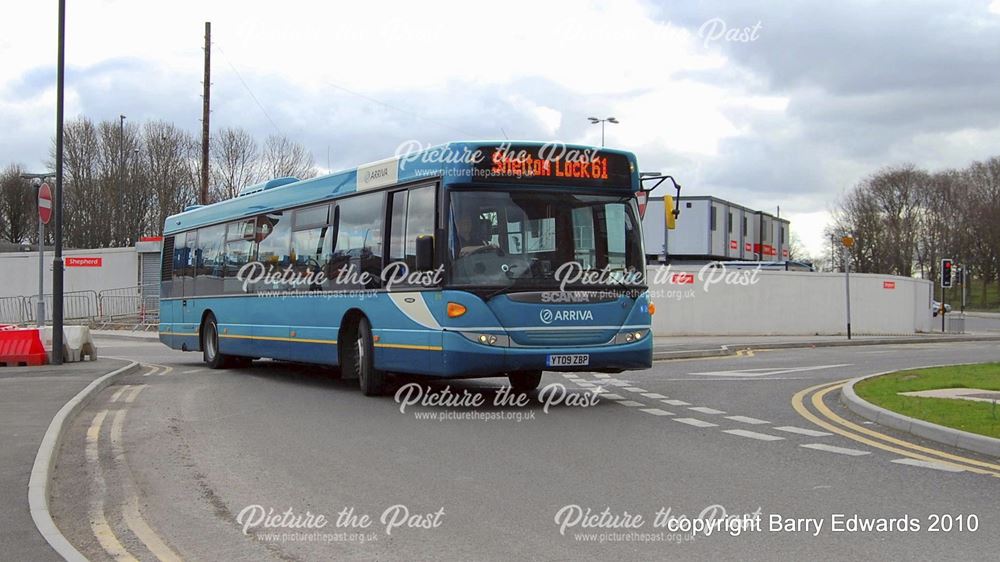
44, 203
641, 197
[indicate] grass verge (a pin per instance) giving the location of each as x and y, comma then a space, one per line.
975, 417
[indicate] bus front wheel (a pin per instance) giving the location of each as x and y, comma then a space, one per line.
525, 381
361, 360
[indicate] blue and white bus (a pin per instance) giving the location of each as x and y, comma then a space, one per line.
471, 259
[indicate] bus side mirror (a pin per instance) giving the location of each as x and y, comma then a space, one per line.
425, 252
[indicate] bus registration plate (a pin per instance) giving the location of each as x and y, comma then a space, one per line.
576, 360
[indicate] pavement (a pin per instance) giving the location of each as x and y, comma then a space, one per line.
761, 431
29, 398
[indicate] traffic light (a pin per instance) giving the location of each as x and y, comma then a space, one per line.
669, 212
946, 273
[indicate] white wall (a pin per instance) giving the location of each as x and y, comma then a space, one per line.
788, 303
19, 271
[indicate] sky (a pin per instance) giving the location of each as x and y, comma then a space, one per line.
762, 103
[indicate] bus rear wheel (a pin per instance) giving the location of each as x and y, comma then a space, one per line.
525, 381
210, 347
360, 360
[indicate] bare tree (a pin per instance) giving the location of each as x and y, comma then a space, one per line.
168, 155
284, 157
82, 194
16, 205
984, 215
234, 161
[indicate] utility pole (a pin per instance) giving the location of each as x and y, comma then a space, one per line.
205, 112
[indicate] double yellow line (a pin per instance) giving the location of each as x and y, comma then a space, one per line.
825, 418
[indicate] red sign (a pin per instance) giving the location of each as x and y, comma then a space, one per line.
682, 279
748, 247
784, 253
765, 250
733, 245
84, 262
44, 203
640, 198
888, 284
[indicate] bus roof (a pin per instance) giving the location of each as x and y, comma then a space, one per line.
450, 161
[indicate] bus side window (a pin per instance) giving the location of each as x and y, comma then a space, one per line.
187, 262
397, 226
208, 278
311, 248
274, 237
419, 221
359, 241
237, 253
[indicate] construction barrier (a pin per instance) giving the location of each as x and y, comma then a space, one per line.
77, 343
21, 347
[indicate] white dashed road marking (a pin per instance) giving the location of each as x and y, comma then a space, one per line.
801, 431
747, 419
928, 464
764, 372
586, 384
631, 403
653, 395
704, 410
635, 389
193, 371
752, 435
612, 396
675, 402
696, 422
619, 383
600, 376
838, 450
656, 412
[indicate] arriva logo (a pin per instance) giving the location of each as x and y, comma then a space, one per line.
547, 316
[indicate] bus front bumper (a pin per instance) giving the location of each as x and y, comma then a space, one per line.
464, 358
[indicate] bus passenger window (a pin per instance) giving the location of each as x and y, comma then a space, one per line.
419, 221
209, 275
397, 227
274, 235
237, 253
311, 250
359, 242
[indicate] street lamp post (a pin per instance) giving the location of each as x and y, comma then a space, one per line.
121, 155
57, 262
595, 120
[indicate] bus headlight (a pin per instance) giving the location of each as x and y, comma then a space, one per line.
487, 339
631, 336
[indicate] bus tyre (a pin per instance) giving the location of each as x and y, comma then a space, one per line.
525, 381
362, 361
210, 345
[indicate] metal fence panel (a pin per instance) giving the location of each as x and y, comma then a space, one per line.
12, 310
